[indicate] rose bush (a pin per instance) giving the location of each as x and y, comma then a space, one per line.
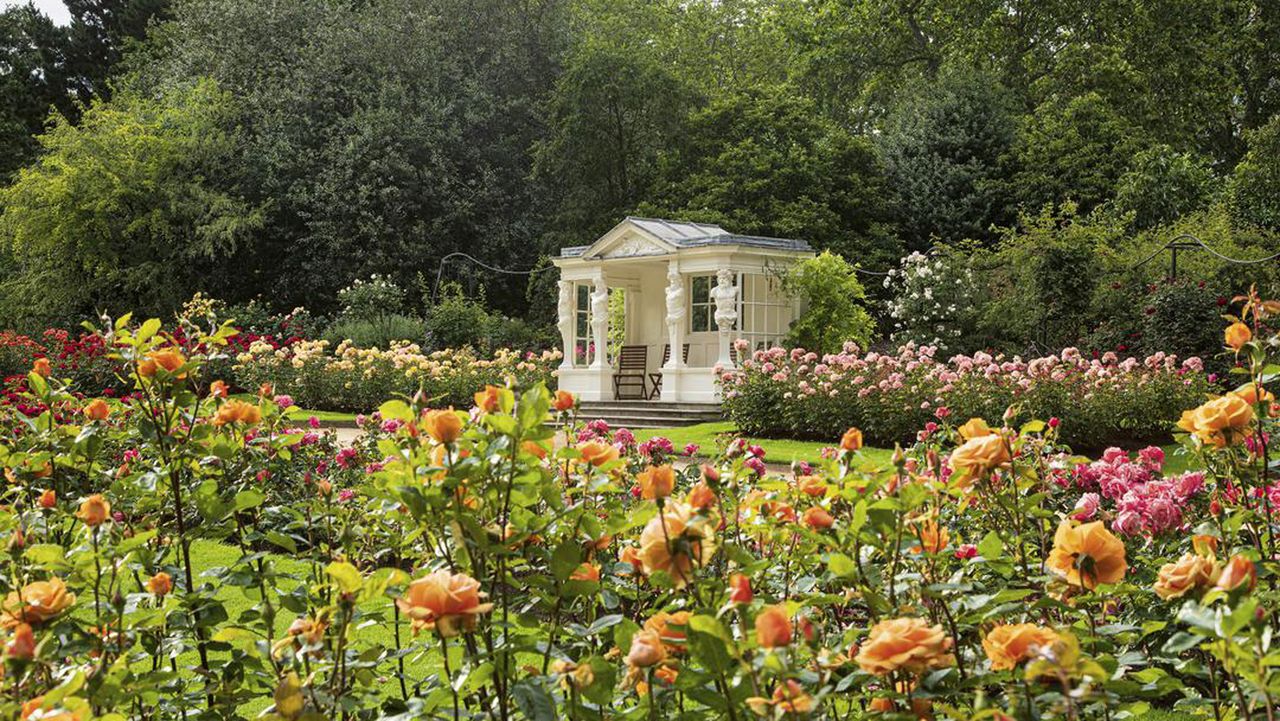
503, 559
891, 397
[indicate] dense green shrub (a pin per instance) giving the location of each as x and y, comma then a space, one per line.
378, 331
832, 299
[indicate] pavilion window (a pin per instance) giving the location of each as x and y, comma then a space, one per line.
582, 347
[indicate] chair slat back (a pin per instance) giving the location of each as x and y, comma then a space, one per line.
633, 358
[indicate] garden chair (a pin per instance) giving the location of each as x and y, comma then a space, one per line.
655, 379
631, 372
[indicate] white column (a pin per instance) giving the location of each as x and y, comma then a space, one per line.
676, 313
725, 295
566, 321
600, 322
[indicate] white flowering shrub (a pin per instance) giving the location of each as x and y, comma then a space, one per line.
933, 299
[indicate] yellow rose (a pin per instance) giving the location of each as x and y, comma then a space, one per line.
1236, 335
36, 603
1192, 571
980, 455
1219, 422
974, 428
1087, 554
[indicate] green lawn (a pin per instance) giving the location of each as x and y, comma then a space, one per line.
328, 416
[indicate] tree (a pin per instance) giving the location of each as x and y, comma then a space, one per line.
766, 163
1255, 182
831, 295
33, 82
1162, 185
944, 148
126, 211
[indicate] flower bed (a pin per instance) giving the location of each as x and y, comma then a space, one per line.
467, 564
359, 379
1103, 401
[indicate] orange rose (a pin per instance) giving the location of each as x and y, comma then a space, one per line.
443, 601
97, 410
933, 538
631, 555
41, 367
1219, 422
818, 519
1238, 573
534, 448
980, 455
675, 541
789, 699
586, 572
160, 584
974, 428
444, 426
1192, 571
740, 589
167, 359
564, 401
671, 628
22, 644
647, 650
812, 486
1205, 545
773, 627
904, 643
489, 400
94, 510
237, 411
701, 496
218, 389
851, 440
30, 709
1236, 335
38, 602
657, 481
597, 453
48, 499
1087, 554
1255, 396
1009, 645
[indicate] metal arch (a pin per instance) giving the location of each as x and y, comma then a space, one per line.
435, 289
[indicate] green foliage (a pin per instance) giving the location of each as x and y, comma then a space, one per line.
1255, 183
1185, 317
376, 331
945, 145
831, 296
456, 321
1162, 185
127, 209
369, 299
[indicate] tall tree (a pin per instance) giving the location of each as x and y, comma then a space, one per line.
34, 80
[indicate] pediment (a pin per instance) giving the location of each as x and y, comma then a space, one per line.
628, 240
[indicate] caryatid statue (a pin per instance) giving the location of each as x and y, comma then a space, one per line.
600, 322
565, 321
676, 312
725, 295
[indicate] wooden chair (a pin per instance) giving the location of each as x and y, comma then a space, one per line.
655, 379
631, 371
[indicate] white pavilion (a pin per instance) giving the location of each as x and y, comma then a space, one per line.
684, 285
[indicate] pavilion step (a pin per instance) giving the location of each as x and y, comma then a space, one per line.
642, 414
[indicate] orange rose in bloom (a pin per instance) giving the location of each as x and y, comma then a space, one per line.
169, 360
563, 401
818, 519
1087, 554
218, 389
701, 496
489, 400
48, 499
1192, 571
94, 510
1255, 396
1205, 545
97, 410
789, 698
933, 538
740, 589
687, 541
534, 448
631, 555
22, 644
32, 710
597, 453
1238, 573
586, 572
38, 602
1011, 644
237, 411
974, 428
647, 650
444, 426
41, 367
1236, 335
656, 481
443, 601
1219, 422
671, 628
773, 627
980, 455
812, 486
909, 644
160, 584
851, 440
